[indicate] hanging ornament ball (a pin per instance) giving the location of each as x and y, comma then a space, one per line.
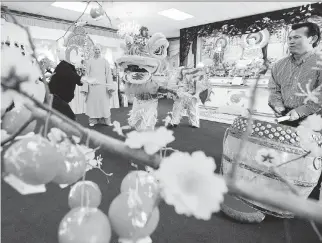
32, 159
145, 183
87, 192
16, 118
73, 167
84, 225
131, 219
96, 12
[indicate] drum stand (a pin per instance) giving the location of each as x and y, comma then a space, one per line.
240, 211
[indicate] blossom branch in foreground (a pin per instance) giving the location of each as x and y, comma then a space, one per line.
247, 133
302, 207
294, 190
33, 48
292, 160
110, 144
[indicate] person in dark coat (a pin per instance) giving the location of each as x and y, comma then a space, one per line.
63, 83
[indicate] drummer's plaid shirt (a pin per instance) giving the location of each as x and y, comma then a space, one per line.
283, 84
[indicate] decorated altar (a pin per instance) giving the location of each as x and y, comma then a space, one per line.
236, 63
238, 51
227, 100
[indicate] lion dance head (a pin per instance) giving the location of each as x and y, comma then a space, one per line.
144, 59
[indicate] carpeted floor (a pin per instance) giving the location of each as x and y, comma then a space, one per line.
35, 218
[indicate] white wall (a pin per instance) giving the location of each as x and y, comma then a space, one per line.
54, 34
15, 33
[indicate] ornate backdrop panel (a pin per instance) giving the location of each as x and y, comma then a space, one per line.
238, 50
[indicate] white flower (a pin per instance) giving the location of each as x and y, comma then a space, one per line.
94, 163
310, 140
310, 134
189, 184
149, 169
28, 71
313, 122
56, 135
117, 128
151, 141
76, 139
22, 65
267, 157
89, 153
167, 120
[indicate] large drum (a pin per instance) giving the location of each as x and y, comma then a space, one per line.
303, 173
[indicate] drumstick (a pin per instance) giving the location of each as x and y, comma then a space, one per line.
283, 118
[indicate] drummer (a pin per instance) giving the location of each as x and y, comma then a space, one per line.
293, 70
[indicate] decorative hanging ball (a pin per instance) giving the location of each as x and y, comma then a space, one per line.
33, 160
131, 219
84, 225
16, 118
84, 192
73, 167
142, 181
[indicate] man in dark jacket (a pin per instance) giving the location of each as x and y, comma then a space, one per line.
62, 85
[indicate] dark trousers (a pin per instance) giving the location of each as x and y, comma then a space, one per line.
63, 107
60, 106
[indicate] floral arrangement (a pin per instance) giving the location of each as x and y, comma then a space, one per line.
252, 70
63, 156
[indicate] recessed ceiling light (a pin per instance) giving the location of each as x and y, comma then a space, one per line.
74, 6
175, 14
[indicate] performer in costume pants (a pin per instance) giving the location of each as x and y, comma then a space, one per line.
143, 115
191, 106
144, 61
191, 82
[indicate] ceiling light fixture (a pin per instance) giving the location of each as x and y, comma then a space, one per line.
175, 14
128, 28
75, 6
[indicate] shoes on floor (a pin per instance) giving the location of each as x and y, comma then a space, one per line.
91, 125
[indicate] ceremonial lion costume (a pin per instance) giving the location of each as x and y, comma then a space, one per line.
192, 87
144, 60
